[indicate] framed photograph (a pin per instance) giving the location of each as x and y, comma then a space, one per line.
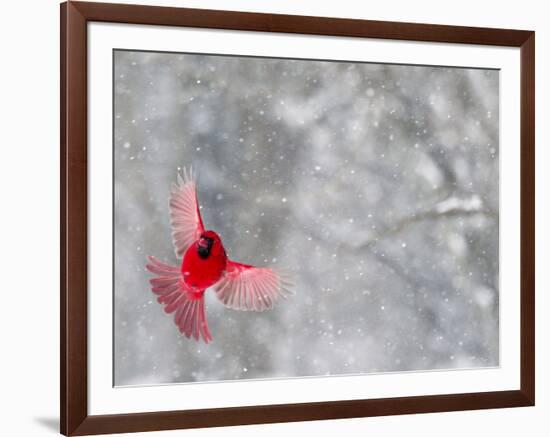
272, 218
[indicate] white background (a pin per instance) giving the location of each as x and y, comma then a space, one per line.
29, 236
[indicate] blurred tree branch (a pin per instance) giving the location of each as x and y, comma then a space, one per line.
435, 213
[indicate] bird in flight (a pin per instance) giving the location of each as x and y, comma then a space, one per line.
204, 264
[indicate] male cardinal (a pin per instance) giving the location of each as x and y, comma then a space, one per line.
205, 264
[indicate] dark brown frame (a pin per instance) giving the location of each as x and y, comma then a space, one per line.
74, 200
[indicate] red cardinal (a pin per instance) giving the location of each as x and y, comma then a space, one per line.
205, 264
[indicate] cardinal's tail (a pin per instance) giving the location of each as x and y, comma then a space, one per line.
191, 319
188, 308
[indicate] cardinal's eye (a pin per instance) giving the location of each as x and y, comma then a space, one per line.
204, 247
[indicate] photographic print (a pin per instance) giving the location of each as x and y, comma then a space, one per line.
278, 218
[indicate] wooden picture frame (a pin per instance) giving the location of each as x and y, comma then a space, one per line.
75, 419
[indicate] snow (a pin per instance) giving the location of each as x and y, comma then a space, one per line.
375, 187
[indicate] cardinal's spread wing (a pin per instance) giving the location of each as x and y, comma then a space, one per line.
250, 288
185, 216
189, 313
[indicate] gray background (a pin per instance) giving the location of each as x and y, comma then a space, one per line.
375, 185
